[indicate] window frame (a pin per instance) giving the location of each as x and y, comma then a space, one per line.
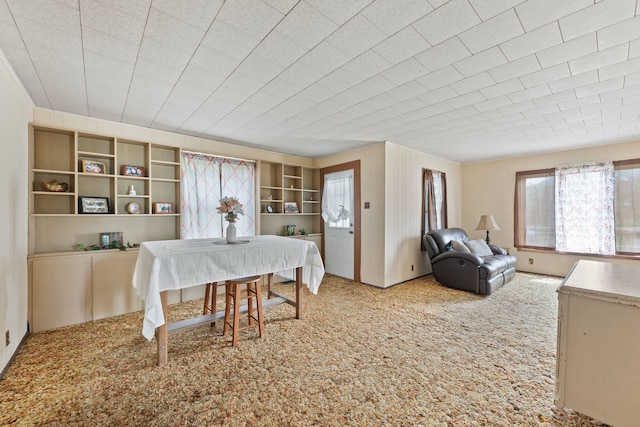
519, 218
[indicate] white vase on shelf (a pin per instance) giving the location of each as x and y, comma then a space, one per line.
231, 233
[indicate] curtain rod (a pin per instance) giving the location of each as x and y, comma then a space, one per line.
217, 155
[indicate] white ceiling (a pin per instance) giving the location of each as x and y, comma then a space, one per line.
465, 80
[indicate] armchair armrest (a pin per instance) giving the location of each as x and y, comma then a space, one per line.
497, 250
452, 255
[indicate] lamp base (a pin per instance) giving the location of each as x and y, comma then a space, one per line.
488, 240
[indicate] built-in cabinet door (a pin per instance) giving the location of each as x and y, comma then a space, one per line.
61, 291
113, 293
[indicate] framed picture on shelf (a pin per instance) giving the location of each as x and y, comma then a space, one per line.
268, 209
163, 208
112, 237
290, 207
131, 170
93, 205
93, 166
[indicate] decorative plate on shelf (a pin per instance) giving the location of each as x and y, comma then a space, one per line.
133, 207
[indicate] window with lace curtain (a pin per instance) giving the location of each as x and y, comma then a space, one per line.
589, 208
434, 200
205, 180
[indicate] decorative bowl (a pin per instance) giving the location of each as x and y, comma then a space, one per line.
55, 186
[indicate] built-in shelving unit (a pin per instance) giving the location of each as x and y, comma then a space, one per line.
290, 195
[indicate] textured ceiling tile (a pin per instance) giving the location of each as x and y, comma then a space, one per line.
509, 86
577, 48
447, 21
325, 58
574, 81
443, 54
531, 93
256, 24
515, 69
161, 53
536, 13
438, 95
402, 46
595, 17
113, 21
356, 36
306, 26
480, 62
155, 71
393, 15
546, 75
634, 49
408, 90
467, 99
492, 32
606, 86
197, 13
599, 59
172, 32
214, 61
489, 9
105, 44
532, 42
440, 78
622, 32
279, 49
476, 82
259, 68
367, 65
231, 42
338, 11
201, 76
284, 6
555, 98
405, 71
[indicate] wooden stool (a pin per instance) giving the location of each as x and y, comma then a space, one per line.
233, 298
210, 298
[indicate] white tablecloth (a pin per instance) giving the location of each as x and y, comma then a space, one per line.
176, 264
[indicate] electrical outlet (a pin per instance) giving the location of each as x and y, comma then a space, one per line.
7, 338
530, 260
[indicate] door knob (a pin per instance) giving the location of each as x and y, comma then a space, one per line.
350, 231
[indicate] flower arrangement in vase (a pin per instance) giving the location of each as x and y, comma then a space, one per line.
230, 207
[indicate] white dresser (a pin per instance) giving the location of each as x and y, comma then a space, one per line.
598, 354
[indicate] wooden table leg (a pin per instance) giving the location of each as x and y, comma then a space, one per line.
161, 332
269, 285
299, 293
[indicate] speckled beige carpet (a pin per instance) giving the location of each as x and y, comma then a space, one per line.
417, 354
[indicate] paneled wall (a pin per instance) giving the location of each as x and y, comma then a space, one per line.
15, 113
489, 188
392, 184
403, 208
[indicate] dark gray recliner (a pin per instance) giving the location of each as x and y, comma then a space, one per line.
465, 270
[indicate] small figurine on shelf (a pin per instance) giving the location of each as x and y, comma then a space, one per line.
132, 190
270, 197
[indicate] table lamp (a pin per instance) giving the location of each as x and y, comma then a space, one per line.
487, 223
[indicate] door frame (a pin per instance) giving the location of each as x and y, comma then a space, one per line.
355, 165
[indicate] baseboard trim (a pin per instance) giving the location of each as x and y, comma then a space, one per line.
15, 353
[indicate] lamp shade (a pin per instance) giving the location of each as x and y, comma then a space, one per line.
487, 223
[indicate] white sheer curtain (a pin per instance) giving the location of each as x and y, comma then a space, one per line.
238, 180
585, 208
336, 200
205, 180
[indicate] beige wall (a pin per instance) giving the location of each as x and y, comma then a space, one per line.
15, 113
391, 181
488, 188
372, 173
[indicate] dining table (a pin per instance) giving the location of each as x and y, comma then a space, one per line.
166, 265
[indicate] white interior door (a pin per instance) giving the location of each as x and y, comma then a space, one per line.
337, 212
